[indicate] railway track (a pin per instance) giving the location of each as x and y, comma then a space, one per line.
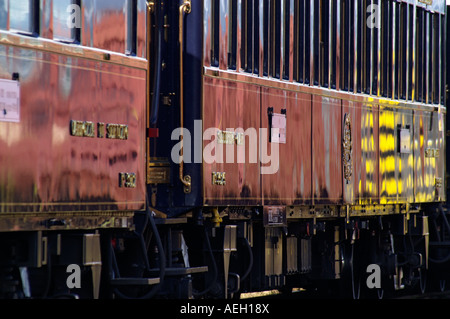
428, 295
303, 294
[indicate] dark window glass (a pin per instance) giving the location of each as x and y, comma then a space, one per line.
324, 42
215, 8
333, 43
266, 33
307, 42
435, 52
232, 34
131, 27
419, 55
286, 38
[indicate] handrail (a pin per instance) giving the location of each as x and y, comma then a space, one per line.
185, 8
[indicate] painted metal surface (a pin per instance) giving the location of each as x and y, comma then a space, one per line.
327, 126
291, 184
396, 168
44, 167
363, 186
396, 150
229, 106
429, 156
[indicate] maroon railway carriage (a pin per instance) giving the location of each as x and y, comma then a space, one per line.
72, 141
359, 86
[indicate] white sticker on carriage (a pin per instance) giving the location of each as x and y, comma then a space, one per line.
9, 101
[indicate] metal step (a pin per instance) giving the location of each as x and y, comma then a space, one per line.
134, 281
181, 271
170, 221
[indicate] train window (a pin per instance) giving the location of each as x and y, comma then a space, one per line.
351, 45
256, 36
385, 45
367, 57
333, 44
24, 16
426, 46
232, 34
419, 55
131, 47
215, 18
375, 55
411, 61
307, 43
359, 30
323, 16
390, 49
442, 59
435, 59
265, 37
402, 55
286, 37
3, 14
344, 49
250, 36
396, 50
275, 38
347, 45
246, 42
316, 37
430, 58
66, 26
61, 20
301, 41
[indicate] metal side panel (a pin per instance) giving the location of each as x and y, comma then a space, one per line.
73, 144
429, 156
327, 150
396, 155
291, 183
360, 183
231, 119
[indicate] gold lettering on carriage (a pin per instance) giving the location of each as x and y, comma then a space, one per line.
87, 129
127, 180
82, 129
218, 178
230, 138
117, 131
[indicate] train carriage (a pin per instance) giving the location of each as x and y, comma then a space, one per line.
72, 134
208, 148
